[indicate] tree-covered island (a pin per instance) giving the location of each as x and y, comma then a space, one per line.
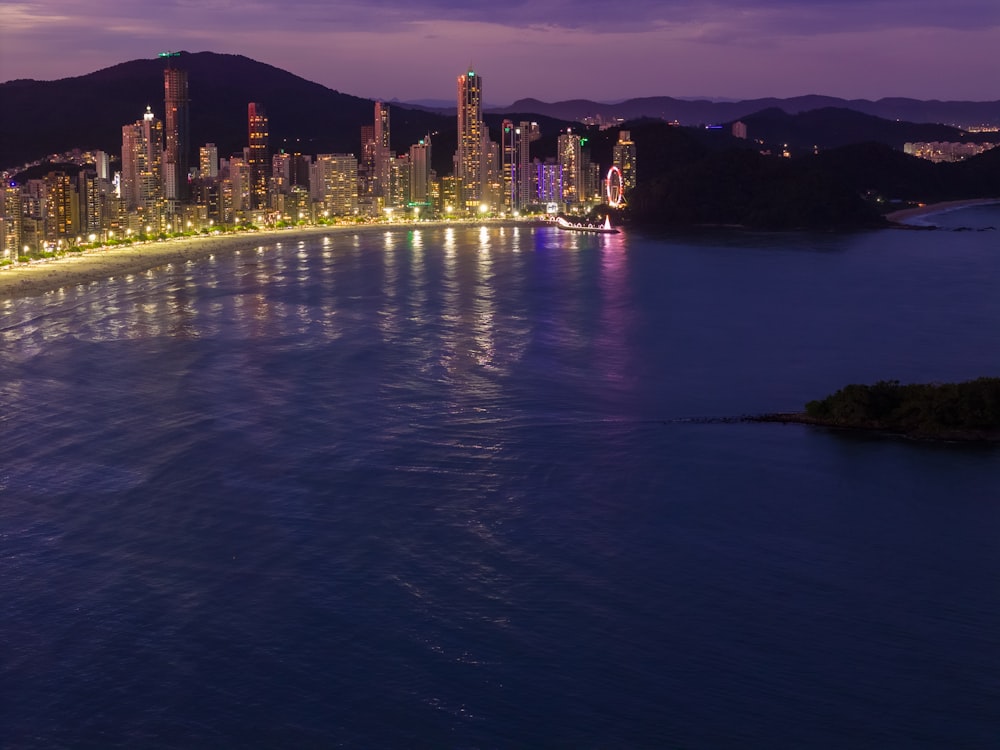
941, 411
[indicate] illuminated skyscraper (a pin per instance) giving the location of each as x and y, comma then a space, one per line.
570, 161
334, 183
509, 148
527, 132
469, 173
10, 198
492, 195
382, 156
420, 172
399, 186
624, 159
90, 199
549, 181
176, 155
142, 163
258, 159
61, 213
208, 161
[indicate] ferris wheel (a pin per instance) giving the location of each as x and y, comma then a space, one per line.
615, 187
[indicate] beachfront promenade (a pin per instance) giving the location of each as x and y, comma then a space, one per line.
43, 275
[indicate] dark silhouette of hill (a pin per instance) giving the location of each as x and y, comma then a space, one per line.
694, 112
744, 188
43, 117
841, 188
832, 127
874, 168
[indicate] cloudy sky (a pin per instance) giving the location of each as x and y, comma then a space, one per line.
548, 49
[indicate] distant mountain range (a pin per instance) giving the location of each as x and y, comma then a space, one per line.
695, 112
46, 117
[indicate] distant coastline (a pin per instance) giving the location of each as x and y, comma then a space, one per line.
953, 435
906, 215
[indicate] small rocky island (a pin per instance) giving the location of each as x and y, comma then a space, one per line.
968, 411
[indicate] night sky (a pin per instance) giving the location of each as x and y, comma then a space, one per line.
547, 49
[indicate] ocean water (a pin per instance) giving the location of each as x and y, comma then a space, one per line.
467, 487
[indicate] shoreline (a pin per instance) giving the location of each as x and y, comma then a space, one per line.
41, 276
953, 435
904, 215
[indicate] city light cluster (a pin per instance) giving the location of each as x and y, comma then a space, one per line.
159, 192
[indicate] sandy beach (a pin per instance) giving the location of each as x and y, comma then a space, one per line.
40, 276
904, 215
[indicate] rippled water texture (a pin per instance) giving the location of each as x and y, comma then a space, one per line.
452, 487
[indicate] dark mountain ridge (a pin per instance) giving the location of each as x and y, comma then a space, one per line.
702, 111
833, 127
39, 118
44, 117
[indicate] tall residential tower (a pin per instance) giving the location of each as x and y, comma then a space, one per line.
259, 158
177, 127
469, 171
142, 163
383, 155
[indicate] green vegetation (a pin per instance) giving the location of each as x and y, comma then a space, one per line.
931, 410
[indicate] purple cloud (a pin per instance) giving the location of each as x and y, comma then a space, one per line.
589, 48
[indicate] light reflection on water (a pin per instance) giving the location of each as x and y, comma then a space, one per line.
436, 473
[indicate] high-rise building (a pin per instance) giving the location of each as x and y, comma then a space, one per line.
420, 172
492, 176
89, 188
208, 161
510, 139
549, 181
366, 170
383, 159
469, 172
334, 183
570, 161
237, 194
281, 173
102, 164
61, 212
526, 133
176, 154
299, 171
10, 198
399, 191
624, 158
258, 158
142, 163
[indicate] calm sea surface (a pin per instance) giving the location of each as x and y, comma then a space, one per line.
459, 488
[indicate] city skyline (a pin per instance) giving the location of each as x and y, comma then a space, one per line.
731, 49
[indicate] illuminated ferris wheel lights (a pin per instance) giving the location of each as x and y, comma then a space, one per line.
615, 187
